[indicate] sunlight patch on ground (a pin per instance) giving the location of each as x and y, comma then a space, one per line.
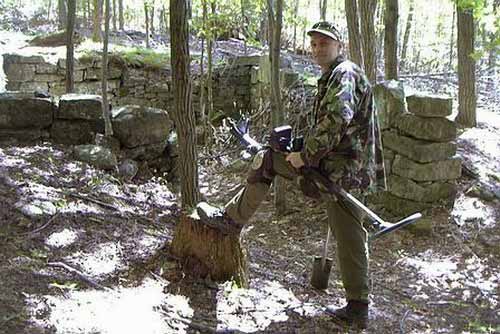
62, 239
105, 259
471, 210
122, 310
443, 274
251, 310
9, 161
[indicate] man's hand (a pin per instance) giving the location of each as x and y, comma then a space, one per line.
295, 159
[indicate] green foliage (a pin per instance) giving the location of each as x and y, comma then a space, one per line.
135, 57
477, 6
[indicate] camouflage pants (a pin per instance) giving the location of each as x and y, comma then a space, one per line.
344, 219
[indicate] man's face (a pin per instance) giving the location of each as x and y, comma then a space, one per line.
324, 49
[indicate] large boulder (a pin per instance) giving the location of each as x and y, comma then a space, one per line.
434, 171
19, 68
433, 129
421, 192
429, 105
418, 150
390, 101
137, 125
20, 111
79, 106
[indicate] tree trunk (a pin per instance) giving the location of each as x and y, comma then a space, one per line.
406, 37
146, 14
452, 39
295, 15
355, 52
152, 18
207, 253
183, 115
322, 9
96, 29
108, 129
120, 15
114, 15
70, 61
367, 12
466, 69
62, 14
210, 65
379, 33
49, 8
277, 114
391, 39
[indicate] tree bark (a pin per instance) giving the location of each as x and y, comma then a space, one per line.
406, 37
466, 69
152, 18
207, 253
120, 15
146, 14
183, 115
452, 39
367, 12
322, 9
108, 129
391, 39
62, 14
295, 15
70, 61
114, 15
49, 7
277, 113
355, 52
96, 29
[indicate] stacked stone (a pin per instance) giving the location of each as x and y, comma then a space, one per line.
149, 87
78, 119
24, 117
419, 147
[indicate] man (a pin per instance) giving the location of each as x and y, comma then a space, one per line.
344, 144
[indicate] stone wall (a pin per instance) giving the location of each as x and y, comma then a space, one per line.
419, 150
236, 85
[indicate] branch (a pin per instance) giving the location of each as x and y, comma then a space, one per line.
77, 273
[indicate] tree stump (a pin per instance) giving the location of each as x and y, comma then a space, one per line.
206, 251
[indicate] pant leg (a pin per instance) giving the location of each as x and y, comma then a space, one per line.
244, 204
345, 220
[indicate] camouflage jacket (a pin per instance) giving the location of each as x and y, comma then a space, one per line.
344, 135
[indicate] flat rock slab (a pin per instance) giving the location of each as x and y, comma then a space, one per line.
434, 171
98, 156
390, 101
432, 129
80, 106
20, 112
418, 150
72, 132
429, 105
138, 125
421, 192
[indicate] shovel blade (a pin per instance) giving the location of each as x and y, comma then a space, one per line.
321, 273
388, 228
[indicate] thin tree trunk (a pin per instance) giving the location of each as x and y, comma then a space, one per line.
466, 69
379, 33
152, 18
89, 11
49, 7
278, 117
70, 61
146, 13
322, 9
120, 15
114, 15
61, 9
391, 39
406, 37
96, 30
108, 129
452, 39
183, 115
355, 51
295, 15
210, 45
367, 12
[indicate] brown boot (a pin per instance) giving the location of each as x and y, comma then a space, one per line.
355, 313
217, 218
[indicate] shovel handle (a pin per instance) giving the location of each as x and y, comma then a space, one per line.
325, 247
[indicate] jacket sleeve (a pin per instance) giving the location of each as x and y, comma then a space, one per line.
336, 111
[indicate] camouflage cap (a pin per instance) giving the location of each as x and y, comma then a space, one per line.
326, 28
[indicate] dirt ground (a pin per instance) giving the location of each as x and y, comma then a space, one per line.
82, 251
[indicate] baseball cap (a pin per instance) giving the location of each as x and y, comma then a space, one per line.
326, 28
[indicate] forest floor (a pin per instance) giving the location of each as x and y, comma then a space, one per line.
82, 251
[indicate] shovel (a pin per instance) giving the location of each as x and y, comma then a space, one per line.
322, 267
